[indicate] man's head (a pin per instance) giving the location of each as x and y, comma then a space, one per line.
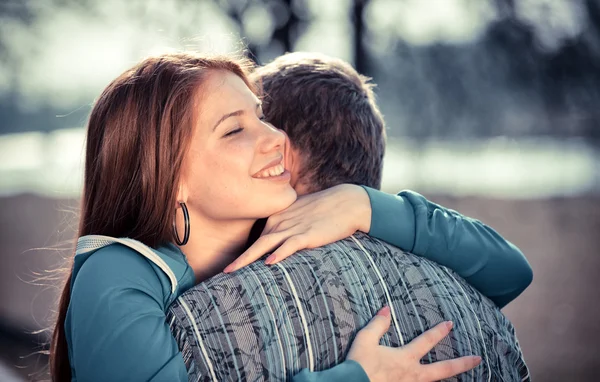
328, 110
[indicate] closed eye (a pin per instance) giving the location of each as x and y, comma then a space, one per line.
233, 132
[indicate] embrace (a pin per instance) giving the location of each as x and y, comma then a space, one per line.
197, 166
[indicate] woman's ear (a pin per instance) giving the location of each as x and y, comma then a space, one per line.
182, 194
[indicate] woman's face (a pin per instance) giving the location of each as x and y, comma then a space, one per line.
234, 168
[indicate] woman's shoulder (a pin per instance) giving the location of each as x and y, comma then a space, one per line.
113, 269
116, 316
114, 260
120, 263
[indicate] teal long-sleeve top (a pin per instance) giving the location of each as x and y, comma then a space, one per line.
115, 324
492, 265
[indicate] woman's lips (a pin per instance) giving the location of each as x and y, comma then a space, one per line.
271, 171
272, 163
284, 177
274, 171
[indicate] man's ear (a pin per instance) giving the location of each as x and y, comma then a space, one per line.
293, 163
296, 164
301, 188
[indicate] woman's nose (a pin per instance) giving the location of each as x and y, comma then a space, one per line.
273, 139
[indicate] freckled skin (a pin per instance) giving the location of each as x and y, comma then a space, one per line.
218, 169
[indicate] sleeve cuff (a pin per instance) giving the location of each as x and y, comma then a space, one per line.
347, 371
392, 219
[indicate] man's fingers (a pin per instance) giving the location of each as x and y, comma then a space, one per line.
375, 329
446, 369
290, 246
263, 245
426, 341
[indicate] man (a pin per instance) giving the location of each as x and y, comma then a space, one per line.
271, 322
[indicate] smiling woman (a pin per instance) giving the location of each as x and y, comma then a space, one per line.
199, 126
223, 174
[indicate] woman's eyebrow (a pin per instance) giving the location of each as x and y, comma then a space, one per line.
234, 114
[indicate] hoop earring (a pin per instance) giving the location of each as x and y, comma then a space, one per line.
186, 219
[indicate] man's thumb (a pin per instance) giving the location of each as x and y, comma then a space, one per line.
378, 325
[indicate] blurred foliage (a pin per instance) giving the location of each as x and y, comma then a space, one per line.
505, 81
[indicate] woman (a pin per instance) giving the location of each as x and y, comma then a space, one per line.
183, 132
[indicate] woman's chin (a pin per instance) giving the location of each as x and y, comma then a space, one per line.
280, 200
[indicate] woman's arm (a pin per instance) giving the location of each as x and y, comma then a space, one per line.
487, 261
116, 325
475, 251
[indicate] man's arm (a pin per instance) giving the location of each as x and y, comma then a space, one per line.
493, 265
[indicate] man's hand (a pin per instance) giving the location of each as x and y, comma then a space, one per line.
382, 364
312, 221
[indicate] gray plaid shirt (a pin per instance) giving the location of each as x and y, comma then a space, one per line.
269, 322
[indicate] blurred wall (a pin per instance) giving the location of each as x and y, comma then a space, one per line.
556, 318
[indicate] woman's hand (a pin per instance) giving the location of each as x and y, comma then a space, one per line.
312, 221
382, 363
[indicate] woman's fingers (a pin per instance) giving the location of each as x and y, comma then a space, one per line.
446, 369
426, 341
277, 224
272, 222
263, 245
286, 218
382, 363
439, 370
290, 246
371, 334
282, 243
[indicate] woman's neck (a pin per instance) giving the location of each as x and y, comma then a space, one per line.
214, 244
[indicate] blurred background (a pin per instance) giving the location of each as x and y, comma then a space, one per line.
492, 106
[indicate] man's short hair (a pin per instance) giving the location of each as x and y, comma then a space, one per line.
329, 112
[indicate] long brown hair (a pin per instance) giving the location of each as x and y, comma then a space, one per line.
137, 136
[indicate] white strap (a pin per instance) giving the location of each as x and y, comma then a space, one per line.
94, 242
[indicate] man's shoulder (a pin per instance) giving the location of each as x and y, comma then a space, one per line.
359, 242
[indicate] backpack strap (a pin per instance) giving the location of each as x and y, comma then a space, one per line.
90, 243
